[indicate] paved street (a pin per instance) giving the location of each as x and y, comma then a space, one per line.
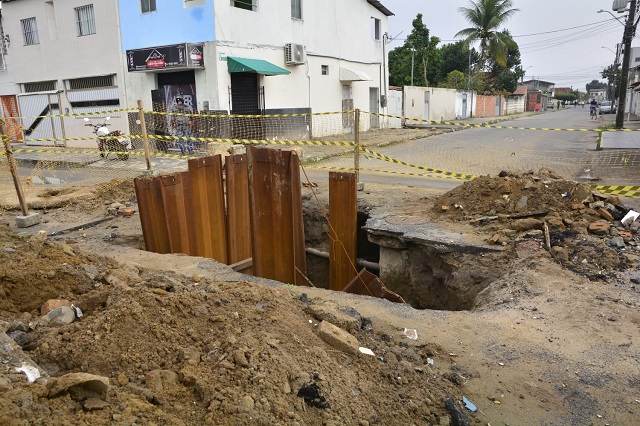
480, 151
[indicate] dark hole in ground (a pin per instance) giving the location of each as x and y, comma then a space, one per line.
312, 396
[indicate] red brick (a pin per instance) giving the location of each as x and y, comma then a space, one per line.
605, 214
599, 228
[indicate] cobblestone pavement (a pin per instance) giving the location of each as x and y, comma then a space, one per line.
481, 151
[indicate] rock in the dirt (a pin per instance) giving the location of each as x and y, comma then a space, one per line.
52, 304
334, 315
527, 224
582, 194
9, 250
91, 271
618, 242
240, 358
522, 203
95, 404
560, 253
20, 337
458, 415
599, 228
338, 338
61, 315
79, 385
247, 403
159, 380
634, 227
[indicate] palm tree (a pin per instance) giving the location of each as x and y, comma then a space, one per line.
486, 16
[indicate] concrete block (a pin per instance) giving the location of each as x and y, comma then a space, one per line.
29, 220
52, 304
338, 338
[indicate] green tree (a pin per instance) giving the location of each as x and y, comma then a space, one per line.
595, 84
612, 74
426, 59
457, 57
504, 78
455, 80
486, 17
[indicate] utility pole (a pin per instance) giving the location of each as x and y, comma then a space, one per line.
629, 33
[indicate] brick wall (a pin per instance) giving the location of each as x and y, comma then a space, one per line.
486, 106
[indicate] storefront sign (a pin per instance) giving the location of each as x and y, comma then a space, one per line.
186, 55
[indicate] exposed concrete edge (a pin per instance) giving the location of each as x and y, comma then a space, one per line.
430, 236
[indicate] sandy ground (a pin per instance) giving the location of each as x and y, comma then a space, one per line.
552, 338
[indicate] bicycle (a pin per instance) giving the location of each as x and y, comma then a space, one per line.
593, 113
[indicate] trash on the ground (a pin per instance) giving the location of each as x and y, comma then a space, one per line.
411, 333
565, 194
501, 364
429, 361
79, 313
458, 206
366, 351
381, 358
633, 215
469, 405
31, 372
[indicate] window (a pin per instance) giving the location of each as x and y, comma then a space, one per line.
147, 6
39, 86
375, 28
91, 82
325, 69
86, 22
245, 4
296, 9
30, 31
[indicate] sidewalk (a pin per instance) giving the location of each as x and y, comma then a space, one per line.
622, 140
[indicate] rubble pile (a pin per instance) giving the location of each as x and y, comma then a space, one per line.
587, 231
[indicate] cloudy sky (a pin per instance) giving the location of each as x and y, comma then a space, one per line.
570, 54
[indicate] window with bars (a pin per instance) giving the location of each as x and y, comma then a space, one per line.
91, 82
296, 9
245, 4
147, 6
39, 86
30, 31
85, 20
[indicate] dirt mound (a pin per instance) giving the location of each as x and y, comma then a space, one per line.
585, 233
189, 350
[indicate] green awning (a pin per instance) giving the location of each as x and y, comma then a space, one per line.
257, 66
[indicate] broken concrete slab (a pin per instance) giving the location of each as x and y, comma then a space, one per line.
80, 385
338, 338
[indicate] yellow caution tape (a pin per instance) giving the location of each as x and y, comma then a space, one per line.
427, 169
252, 141
222, 115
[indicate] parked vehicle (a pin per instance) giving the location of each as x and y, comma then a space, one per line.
607, 107
109, 142
551, 104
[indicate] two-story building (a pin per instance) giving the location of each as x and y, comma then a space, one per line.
238, 57
62, 57
257, 57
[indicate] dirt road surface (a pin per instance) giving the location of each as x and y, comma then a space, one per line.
552, 338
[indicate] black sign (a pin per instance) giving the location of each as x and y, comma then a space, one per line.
186, 55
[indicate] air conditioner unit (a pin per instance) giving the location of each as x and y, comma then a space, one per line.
294, 54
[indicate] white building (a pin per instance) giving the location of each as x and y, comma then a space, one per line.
261, 58
61, 57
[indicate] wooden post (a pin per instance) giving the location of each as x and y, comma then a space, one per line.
145, 138
13, 169
64, 131
356, 152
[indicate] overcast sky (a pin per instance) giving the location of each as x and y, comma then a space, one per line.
569, 57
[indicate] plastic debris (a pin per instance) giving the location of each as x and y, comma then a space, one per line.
411, 333
429, 361
31, 372
565, 194
469, 405
633, 215
366, 351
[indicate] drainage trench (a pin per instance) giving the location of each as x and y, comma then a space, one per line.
427, 273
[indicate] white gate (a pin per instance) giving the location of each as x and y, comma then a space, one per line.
37, 120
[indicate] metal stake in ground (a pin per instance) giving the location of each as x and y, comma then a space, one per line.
26, 219
145, 138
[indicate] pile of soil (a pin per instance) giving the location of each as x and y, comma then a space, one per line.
183, 340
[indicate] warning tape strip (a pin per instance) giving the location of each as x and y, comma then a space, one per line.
82, 114
494, 126
252, 141
427, 169
627, 191
249, 115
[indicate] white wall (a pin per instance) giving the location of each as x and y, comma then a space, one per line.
514, 105
442, 103
470, 111
394, 109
